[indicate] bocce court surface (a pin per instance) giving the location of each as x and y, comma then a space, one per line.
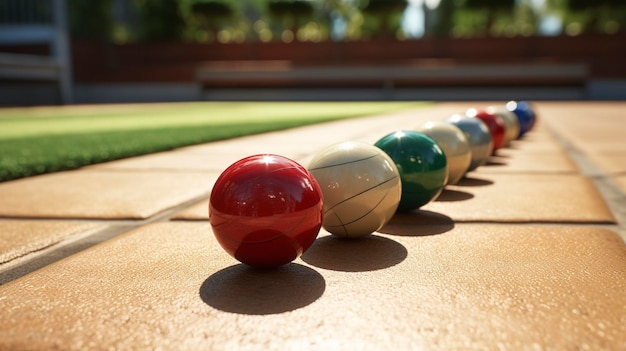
526, 253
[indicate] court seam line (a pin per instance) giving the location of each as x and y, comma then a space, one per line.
613, 196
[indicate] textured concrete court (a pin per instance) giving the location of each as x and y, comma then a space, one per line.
526, 253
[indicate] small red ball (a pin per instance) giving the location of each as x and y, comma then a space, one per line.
266, 210
494, 123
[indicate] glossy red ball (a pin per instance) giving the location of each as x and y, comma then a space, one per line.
494, 123
266, 210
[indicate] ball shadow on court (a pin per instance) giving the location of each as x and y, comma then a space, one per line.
449, 195
418, 223
255, 291
496, 161
370, 253
473, 181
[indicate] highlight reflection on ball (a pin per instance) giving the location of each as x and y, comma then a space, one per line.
422, 165
266, 210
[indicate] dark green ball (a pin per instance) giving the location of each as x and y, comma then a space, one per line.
422, 165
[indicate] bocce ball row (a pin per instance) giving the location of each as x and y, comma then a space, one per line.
266, 210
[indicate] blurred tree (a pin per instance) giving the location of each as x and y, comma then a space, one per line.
439, 21
490, 11
211, 10
210, 16
386, 13
315, 20
603, 16
291, 15
343, 18
159, 20
252, 13
490, 4
90, 20
527, 20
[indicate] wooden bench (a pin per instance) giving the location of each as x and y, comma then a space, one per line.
31, 67
417, 73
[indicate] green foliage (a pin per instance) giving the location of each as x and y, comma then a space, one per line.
490, 4
209, 16
442, 19
289, 14
383, 16
487, 18
159, 19
584, 5
90, 20
236, 21
295, 8
209, 10
595, 16
384, 6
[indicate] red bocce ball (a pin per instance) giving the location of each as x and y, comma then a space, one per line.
266, 210
494, 123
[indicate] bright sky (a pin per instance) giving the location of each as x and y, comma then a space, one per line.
413, 20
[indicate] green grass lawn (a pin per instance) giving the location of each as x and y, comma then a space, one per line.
40, 140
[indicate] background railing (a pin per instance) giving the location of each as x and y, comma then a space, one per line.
27, 22
25, 11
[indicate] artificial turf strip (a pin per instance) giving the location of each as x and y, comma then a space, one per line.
55, 141
22, 122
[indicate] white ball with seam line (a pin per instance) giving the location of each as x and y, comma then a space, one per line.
454, 144
361, 187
